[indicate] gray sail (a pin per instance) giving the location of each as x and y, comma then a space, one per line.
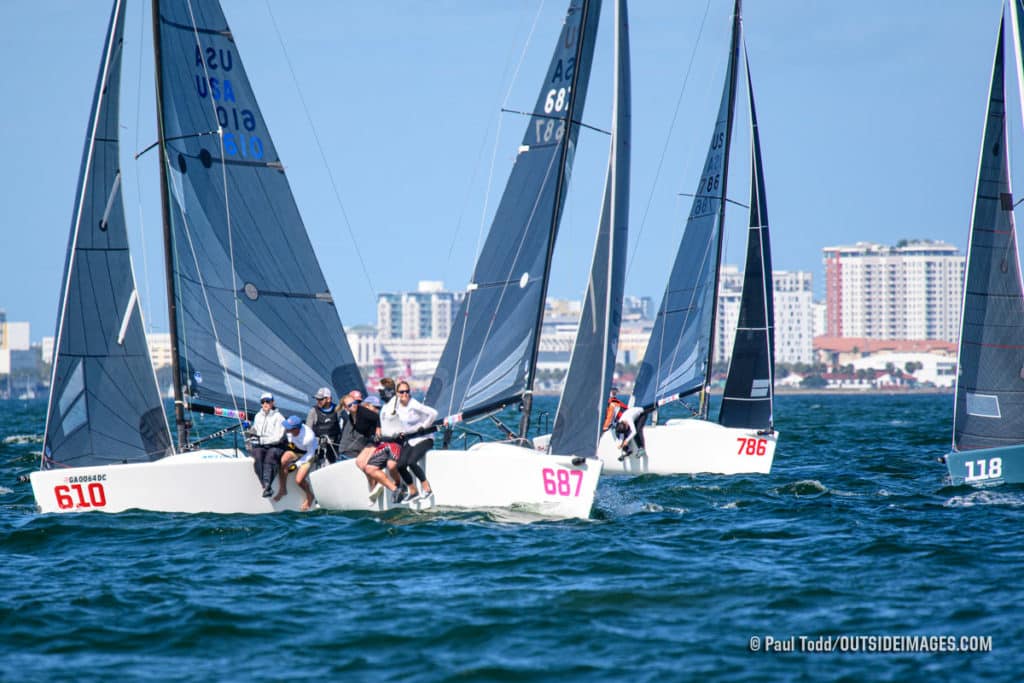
104, 404
989, 408
578, 421
750, 385
489, 357
676, 360
253, 310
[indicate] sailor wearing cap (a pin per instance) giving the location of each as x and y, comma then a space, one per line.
324, 420
267, 438
301, 450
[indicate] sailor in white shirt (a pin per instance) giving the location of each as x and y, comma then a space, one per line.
267, 441
401, 416
301, 449
630, 430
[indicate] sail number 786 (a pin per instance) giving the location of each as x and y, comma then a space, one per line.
752, 446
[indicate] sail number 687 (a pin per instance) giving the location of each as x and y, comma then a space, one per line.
556, 99
558, 482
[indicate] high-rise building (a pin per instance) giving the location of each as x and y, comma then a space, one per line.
424, 314
910, 291
794, 314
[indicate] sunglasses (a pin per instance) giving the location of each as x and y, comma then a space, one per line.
403, 391
267, 400
354, 403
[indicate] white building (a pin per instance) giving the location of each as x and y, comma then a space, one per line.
910, 291
159, 344
424, 314
14, 340
794, 314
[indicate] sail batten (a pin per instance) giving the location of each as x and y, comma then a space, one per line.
989, 408
104, 404
577, 426
248, 289
491, 350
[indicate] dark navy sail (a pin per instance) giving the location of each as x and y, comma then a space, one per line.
104, 403
490, 353
677, 356
253, 310
990, 387
580, 411
749, 387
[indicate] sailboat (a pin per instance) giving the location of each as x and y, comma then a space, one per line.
234, 295
490, 359
988, 413
677, 362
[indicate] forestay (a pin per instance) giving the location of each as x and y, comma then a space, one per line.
990, 388
676, 360
577, 428
488, 359
104, 404
253, 309
749, 387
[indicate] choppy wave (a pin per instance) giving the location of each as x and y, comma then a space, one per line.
853, 533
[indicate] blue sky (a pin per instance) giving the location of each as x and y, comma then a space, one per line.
870, 116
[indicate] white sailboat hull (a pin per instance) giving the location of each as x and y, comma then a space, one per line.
486, 476
209, 480
692, 447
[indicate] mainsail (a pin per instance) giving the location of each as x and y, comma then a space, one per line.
677, 359
253, 312
104, 404
490, 355
989, 408
749, 388
577, 428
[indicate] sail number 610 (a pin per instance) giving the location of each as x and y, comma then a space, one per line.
92, 496
752, 446
558, 482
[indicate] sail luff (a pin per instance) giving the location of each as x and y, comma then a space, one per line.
734, 53
577, 427
747, 400
677, 361
182, 425
490, 356
989, 408
114, 28
556, 215
104, 405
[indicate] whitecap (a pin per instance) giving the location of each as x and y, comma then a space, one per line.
23, 438
985, 497
804, 487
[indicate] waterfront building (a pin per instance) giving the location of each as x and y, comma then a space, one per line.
910, 291
426, 313
794, 314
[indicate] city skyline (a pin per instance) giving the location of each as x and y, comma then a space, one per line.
412, 157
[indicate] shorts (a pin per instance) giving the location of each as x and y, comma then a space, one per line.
385, 451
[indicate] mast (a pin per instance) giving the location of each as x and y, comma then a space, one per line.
524, 422
165, 211
733, 60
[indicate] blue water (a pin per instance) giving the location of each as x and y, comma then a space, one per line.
853, 533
